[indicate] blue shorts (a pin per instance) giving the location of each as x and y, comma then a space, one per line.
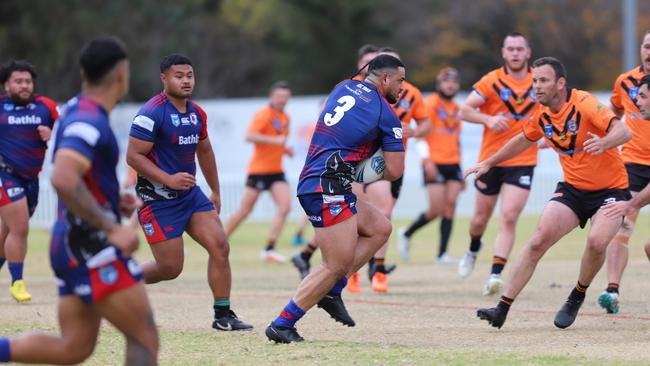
104, 274
325, 210
14, 188
167, 219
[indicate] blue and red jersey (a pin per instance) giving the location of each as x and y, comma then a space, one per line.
175, 137
84, 128
21, 148
356, 121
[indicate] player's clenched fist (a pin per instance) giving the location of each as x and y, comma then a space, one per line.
124, 238
181, 181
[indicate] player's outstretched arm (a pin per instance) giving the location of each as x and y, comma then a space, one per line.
423, 127
136, 157
394, 168
259, 138
617, 134
514, 147
469, 112
208, 164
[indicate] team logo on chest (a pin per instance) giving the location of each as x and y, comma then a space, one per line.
193, 119
176, 121
572, 125
277, 125
548, 131
442, 114
634, 92
505, 94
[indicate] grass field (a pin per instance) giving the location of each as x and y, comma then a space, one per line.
427, 318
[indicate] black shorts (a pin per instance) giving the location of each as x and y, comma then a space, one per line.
446, 172
263, 182
585, 204
638, 176
395, 187
490, 183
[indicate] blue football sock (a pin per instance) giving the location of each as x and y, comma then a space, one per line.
338, 288
2, 262
16, 270
289, 315
5, 352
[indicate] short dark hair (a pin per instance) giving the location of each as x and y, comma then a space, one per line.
366, 49
384, 61
645, 80
280, 84
174, 59
516, 34
15, 65
558, 67
99, 56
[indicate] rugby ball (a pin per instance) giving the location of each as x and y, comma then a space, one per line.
370, 169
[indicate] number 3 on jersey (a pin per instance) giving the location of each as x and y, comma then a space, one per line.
345, 102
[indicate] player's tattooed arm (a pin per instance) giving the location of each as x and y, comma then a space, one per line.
67, 178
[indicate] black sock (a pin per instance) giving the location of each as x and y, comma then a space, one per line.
578, 292
497, 264
504, 304
416, 225
475, 244
221, 307
270, 245
379, 265
612, 287
307, 252
445, 232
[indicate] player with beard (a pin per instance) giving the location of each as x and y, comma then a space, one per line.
355, 122
440, 153
502, 101
586, 135
636, 156
26, 121
167, 135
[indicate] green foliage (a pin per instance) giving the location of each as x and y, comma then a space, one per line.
240, 46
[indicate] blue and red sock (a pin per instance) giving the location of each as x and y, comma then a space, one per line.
5, 352
16, 269
289, 315
338, 288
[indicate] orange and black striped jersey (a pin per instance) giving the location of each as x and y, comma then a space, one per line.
444, 139
566, 132
626, 89
512, 98
410, 106
267, 158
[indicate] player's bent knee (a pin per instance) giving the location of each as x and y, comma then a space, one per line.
77, 351
596, 244
170, 271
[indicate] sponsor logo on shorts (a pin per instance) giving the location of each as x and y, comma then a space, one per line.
13, 192
176, 121
194, 119
108, 274
148, 228
524, 180
335, 209
609, 200
315, 218
82, 290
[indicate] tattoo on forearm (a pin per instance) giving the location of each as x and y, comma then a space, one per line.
80, 201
